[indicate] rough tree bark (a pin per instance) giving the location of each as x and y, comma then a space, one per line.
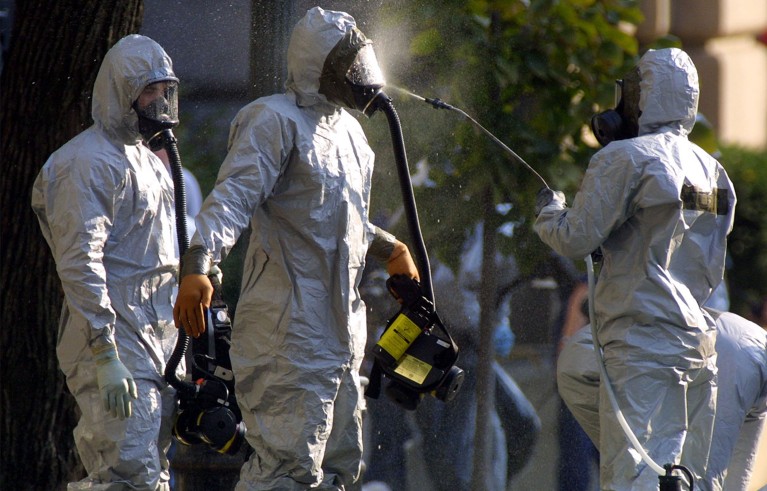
46, 84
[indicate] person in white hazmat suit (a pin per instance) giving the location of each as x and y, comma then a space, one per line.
659, 209
741, 411
298, 170
105, 206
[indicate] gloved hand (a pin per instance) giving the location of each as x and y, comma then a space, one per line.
116, 383
545, 197
194, 294
400, 262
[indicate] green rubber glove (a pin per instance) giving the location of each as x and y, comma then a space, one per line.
116, 383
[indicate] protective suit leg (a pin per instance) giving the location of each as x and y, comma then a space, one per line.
304, 423
164, 441
741, 410
578, 381
122, 455
344, 448
738, 474
676, 421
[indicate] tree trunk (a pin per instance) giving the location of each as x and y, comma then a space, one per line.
46, 82
483, 437
482, 471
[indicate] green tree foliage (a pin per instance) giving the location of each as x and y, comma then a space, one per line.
533, 73
746, 276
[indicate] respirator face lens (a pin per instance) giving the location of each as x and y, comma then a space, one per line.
159, 102
351, 76
365, 79
365, 72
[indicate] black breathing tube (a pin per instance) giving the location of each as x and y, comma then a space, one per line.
179, 189
384, 103
179, 193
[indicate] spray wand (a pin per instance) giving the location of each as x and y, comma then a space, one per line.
440, 104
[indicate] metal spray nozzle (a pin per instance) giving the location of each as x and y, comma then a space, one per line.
438, 104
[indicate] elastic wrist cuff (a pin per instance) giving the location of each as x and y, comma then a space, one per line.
382, 245
104, 354
196, 260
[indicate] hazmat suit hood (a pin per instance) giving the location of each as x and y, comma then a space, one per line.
669, 91
130, 65
315, 35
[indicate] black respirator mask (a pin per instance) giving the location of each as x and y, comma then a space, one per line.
351, 76
159, 113
622, 122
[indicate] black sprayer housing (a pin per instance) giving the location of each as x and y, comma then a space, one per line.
415, 352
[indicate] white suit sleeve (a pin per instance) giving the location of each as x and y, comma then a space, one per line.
259, 146
602, 204
77, 211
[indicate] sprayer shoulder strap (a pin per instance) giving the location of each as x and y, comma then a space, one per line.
373, 389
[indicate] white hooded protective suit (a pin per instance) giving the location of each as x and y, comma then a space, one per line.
105, 206
741, 410
660, 209
298, 171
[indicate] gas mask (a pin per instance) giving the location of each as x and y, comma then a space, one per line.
351, 76
157, 109
623, 121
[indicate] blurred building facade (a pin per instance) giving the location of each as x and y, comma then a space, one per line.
721, 37
210, 43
